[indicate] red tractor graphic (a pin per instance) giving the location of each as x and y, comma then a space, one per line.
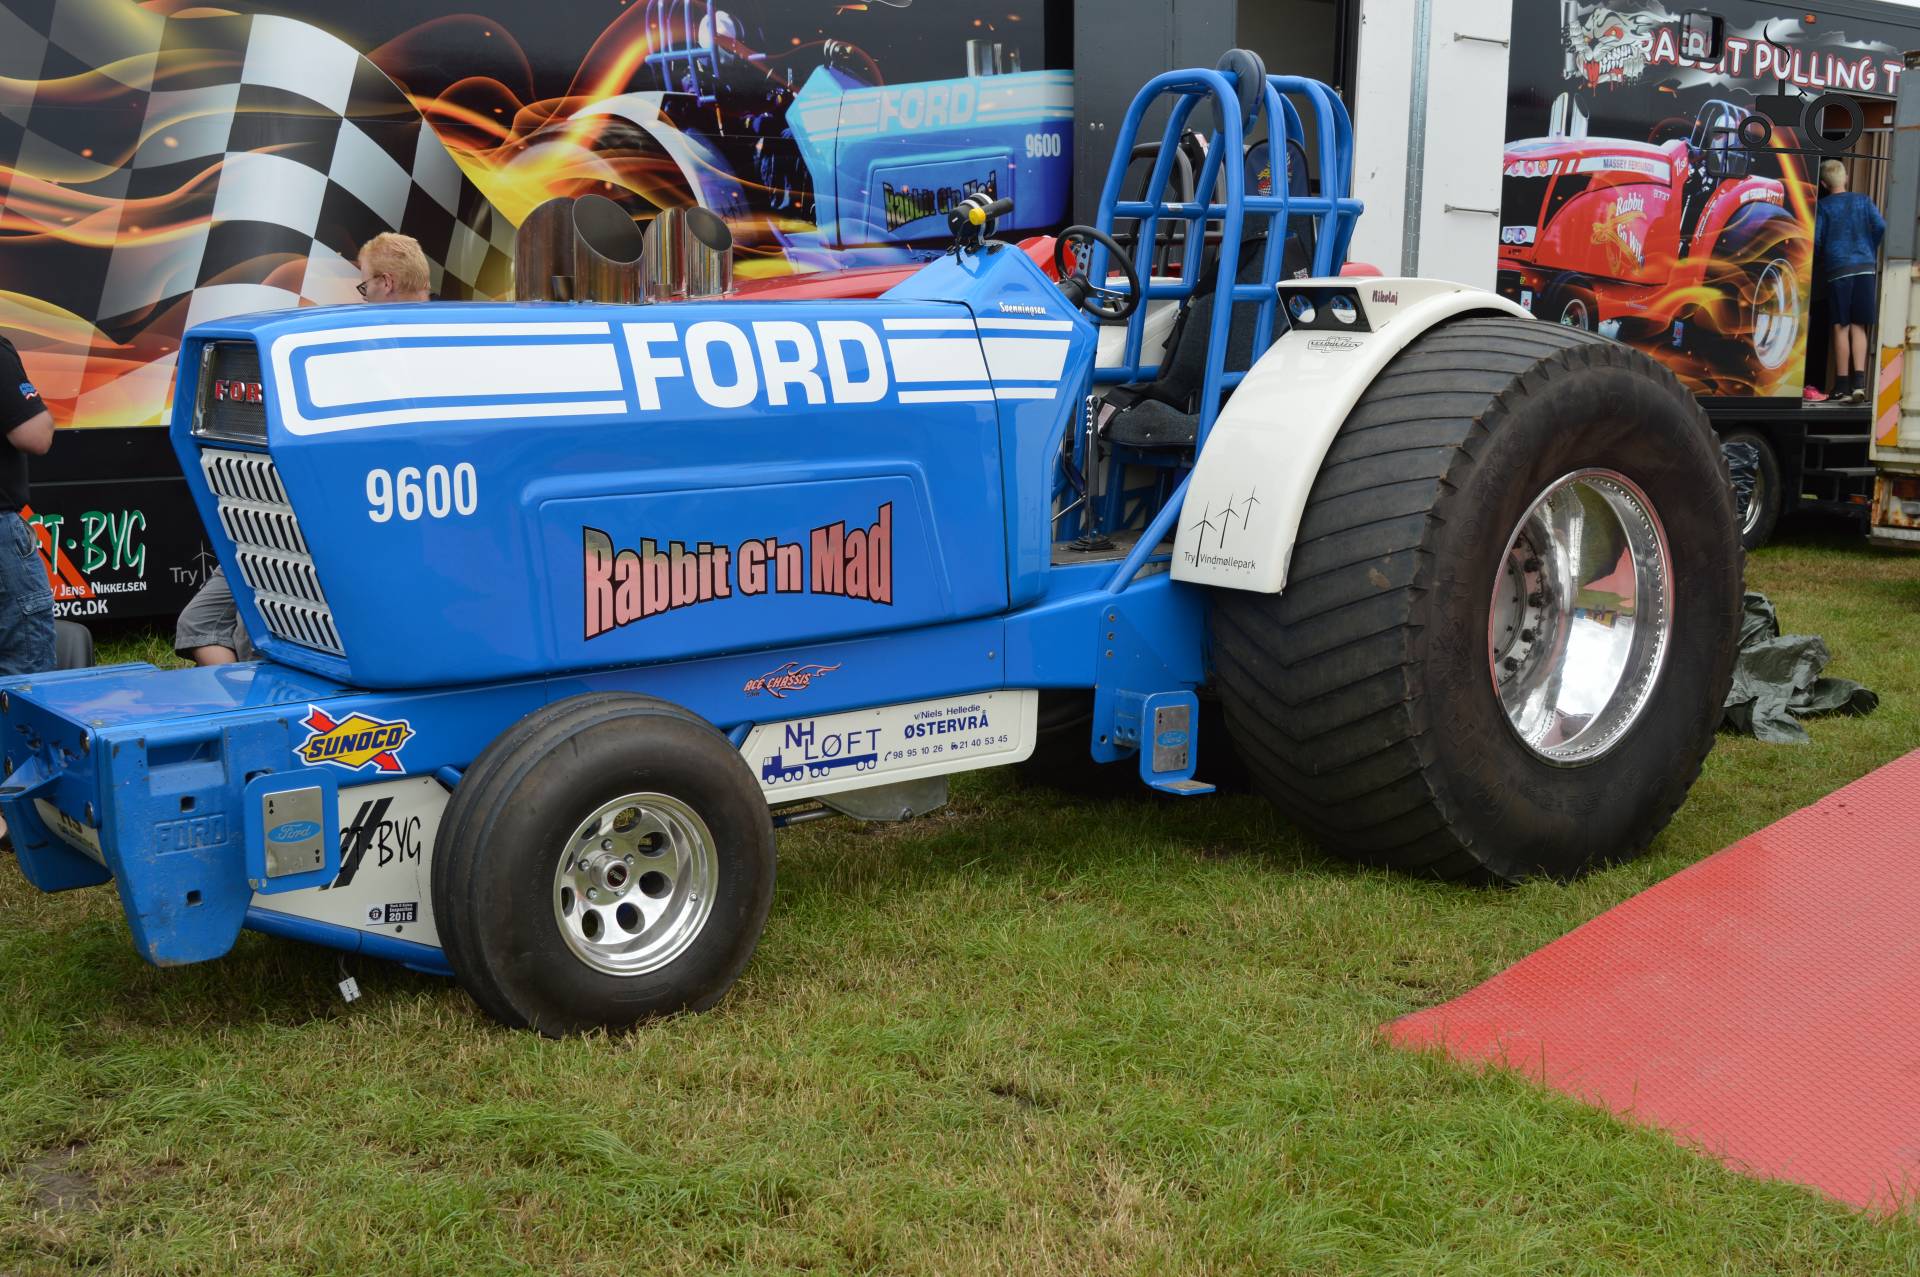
1674, 244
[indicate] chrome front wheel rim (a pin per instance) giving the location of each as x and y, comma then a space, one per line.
1581, 616
635, 884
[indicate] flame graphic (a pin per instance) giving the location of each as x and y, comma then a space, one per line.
522, 151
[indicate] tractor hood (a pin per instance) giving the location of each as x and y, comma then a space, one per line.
440, 494
1555, 157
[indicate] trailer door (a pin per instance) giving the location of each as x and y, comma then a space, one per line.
1430, 120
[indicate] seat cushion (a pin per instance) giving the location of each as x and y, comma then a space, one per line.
1152, 424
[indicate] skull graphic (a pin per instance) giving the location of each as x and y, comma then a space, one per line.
1608, 46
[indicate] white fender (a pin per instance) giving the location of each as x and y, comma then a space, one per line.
1251, 480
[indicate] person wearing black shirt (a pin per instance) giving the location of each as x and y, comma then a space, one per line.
26, 597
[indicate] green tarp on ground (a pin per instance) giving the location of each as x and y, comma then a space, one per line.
1776, 680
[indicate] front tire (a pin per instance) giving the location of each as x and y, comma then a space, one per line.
1372, 700
608, 859
1571, 303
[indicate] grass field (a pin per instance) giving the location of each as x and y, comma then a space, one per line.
1026, 1035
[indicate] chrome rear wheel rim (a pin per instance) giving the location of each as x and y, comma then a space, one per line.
1756, 502
1581, 616
1776, 314
635, 884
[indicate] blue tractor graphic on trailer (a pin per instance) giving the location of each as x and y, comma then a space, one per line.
518, 575
835, 159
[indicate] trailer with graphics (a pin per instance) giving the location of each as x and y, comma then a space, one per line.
1463, 586
242, 169
1648, 171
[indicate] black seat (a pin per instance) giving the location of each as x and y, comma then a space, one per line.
1163, 413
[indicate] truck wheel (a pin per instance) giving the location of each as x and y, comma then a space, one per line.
1762, 510
1570, 302
1510, 617
608, 858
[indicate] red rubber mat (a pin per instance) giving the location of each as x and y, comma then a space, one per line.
1763, 1006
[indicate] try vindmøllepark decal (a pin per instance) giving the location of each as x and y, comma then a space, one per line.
1642, 198
169, 162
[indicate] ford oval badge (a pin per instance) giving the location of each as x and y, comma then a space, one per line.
1172, 738
294, 831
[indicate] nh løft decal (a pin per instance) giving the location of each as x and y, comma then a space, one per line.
834, 751
353, 742
623, 586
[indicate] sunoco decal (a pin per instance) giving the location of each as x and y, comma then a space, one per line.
623, 586
353, 742
858, 748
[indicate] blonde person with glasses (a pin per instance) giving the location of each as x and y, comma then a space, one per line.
393, 269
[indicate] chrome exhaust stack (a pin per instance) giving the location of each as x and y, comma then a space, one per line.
585, 249
688, 253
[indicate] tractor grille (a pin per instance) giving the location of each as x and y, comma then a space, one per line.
272, 553
231, 402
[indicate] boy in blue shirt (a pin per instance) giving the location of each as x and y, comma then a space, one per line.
1847, 230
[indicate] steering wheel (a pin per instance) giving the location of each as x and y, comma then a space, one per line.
1104, 304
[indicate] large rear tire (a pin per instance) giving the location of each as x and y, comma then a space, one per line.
1500, 478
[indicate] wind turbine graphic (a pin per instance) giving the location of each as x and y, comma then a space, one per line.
1245, 512
1206, 524
1228, 513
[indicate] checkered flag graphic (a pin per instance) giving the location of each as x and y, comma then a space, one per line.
166, 171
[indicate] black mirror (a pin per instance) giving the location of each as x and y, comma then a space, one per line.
1703, 36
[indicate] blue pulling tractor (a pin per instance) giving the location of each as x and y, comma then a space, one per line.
566, 608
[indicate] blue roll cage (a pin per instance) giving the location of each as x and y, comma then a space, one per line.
1334, 212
